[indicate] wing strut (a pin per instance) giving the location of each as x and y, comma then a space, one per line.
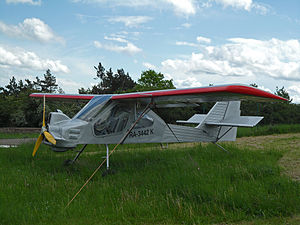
145, 111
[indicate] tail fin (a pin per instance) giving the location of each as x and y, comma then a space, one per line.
222, 121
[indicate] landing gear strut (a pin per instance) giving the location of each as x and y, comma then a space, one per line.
108, 170
70, 162
79, 153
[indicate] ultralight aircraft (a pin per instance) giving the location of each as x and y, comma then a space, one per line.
129, 118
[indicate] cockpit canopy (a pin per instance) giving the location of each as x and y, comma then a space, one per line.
109, 117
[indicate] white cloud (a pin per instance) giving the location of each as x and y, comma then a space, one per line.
118, 39
31, 2
247, 5
98, 44
83, 18
186, 25
294, 92
188, 82
130, 21
20, 58
185, 7
239, 4
149, 66
129, 48
203, 39
32, 29
191, 44
241, 57
184, 43
69, 86
181, 7
262, 9
129, 3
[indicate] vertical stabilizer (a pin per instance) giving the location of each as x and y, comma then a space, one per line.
223, 119
220, 112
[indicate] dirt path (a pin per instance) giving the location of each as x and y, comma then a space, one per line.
260, 142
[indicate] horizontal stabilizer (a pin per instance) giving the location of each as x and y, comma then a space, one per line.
241, 121
197, 118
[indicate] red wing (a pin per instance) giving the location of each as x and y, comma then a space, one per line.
188, 95
204, 94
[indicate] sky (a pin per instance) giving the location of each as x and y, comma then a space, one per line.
193, 42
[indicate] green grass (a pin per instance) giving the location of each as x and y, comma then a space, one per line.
200, 185
268, 129
18, 135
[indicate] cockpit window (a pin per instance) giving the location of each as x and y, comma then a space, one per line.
115, 117
144, 122
112, 120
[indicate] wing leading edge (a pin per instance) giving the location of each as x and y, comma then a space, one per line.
188, 95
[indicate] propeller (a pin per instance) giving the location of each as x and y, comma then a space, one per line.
44, 133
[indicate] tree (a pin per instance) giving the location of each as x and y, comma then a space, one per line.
110, 82
84, 91
11, 89
254, 85
15, 97
124, 81
18, 109
48, 84
282, 92
100, 71
151, 80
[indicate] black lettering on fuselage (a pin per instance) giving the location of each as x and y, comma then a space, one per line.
141, 133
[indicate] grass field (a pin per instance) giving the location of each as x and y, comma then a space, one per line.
178, 185
268, 129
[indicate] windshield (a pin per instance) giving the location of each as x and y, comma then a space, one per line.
92, 107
